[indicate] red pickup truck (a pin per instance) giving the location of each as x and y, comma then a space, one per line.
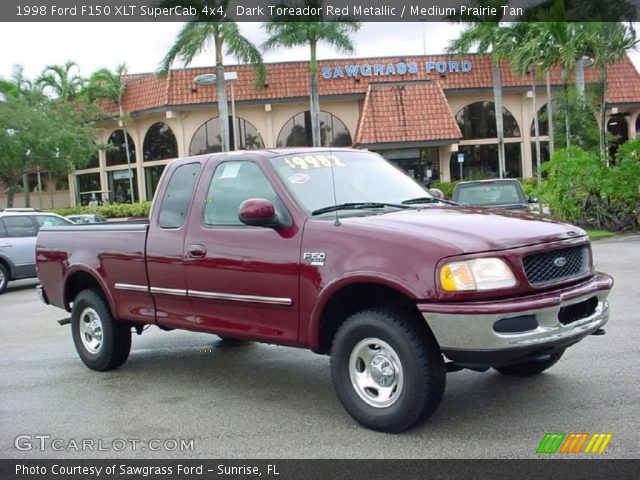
337, 251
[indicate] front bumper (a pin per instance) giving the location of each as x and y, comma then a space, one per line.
466, 332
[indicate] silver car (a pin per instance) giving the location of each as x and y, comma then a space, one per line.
18, 232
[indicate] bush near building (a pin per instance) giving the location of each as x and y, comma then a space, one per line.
114, 210
581, 189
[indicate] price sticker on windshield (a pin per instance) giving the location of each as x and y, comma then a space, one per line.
308, 162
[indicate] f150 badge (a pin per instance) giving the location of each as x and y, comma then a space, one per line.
317, 259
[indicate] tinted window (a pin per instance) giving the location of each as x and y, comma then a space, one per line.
20, 226
490, 194
3, 231
177, 197
232, 184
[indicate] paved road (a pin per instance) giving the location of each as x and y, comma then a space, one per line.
260, 401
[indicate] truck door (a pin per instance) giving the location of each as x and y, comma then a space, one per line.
242, 280
165, 247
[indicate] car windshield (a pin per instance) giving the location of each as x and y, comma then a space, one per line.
360, 178
489, 194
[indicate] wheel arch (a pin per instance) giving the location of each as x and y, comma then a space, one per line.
78, 279
348, 297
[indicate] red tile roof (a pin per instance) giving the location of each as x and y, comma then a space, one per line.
291, 80
402, 112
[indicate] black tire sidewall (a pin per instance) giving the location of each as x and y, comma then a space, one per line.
5, 282
104, 359
419, 396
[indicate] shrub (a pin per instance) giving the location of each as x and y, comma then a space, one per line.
113, 210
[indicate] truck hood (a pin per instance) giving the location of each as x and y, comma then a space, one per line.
473, 230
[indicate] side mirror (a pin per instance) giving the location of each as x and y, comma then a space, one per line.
436, 192
532, 199
258, 212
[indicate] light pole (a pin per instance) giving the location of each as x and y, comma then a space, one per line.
210, 79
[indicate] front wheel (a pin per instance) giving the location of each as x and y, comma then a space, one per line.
532, 367
101, 342
387, 369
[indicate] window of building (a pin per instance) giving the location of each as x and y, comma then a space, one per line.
543, 122
117, 152
478, 120
481, 161
207, 138
297, 131
159, 143
62, 184
421, 164
232, 184
619, 128
177, 196
94, 162
152, 178
544, 156
120, 186
88, 188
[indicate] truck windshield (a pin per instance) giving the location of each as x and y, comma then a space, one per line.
360, 178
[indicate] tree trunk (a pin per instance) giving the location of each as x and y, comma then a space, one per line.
550, 115
314, 96
580, 77
536, 132
223, 108
25, 190
497, 96
604, 154
11, 193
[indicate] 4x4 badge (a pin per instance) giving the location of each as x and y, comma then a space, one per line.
317, 258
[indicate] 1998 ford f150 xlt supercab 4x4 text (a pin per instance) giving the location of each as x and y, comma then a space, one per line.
338, 251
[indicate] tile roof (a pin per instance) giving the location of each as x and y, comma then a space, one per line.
290, 80
402, 112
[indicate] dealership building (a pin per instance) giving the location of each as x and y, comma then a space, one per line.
433, 116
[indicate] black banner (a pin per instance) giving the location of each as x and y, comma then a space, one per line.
327, 10
377, 469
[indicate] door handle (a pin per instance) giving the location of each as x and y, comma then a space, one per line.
6, 245
197, 251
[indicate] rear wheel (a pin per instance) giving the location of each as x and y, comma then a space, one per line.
532, 367
101, 342
4, 278
387, 369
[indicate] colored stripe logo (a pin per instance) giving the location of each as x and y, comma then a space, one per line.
576, 442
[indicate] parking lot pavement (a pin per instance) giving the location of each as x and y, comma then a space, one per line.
248, 400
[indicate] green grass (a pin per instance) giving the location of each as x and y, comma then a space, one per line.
598, 234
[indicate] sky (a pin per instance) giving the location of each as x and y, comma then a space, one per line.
142, 45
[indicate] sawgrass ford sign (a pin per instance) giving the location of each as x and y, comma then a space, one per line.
400, 68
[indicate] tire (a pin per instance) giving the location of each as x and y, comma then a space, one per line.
101, 342
387, 369
4, 278
533, 367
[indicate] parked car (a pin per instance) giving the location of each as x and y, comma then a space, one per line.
18, 230
504, 193
84, 218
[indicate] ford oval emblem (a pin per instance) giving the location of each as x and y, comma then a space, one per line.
560, 262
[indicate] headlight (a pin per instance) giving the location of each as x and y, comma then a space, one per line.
478, 274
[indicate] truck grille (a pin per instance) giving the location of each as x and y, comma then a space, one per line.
556, 265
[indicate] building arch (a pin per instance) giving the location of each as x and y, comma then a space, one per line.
618, 127
296, 132
159, 143
118, 155
206, 138
479, 144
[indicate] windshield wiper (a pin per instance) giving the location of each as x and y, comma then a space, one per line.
357, 206
413, 201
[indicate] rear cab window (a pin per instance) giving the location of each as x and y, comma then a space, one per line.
177, 196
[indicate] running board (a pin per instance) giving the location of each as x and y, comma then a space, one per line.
64, 321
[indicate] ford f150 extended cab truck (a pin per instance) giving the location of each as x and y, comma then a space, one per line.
337, 251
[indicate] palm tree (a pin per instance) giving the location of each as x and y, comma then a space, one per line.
61, 80
108, 85
194, 37
485, 34
609, 42
285, 32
